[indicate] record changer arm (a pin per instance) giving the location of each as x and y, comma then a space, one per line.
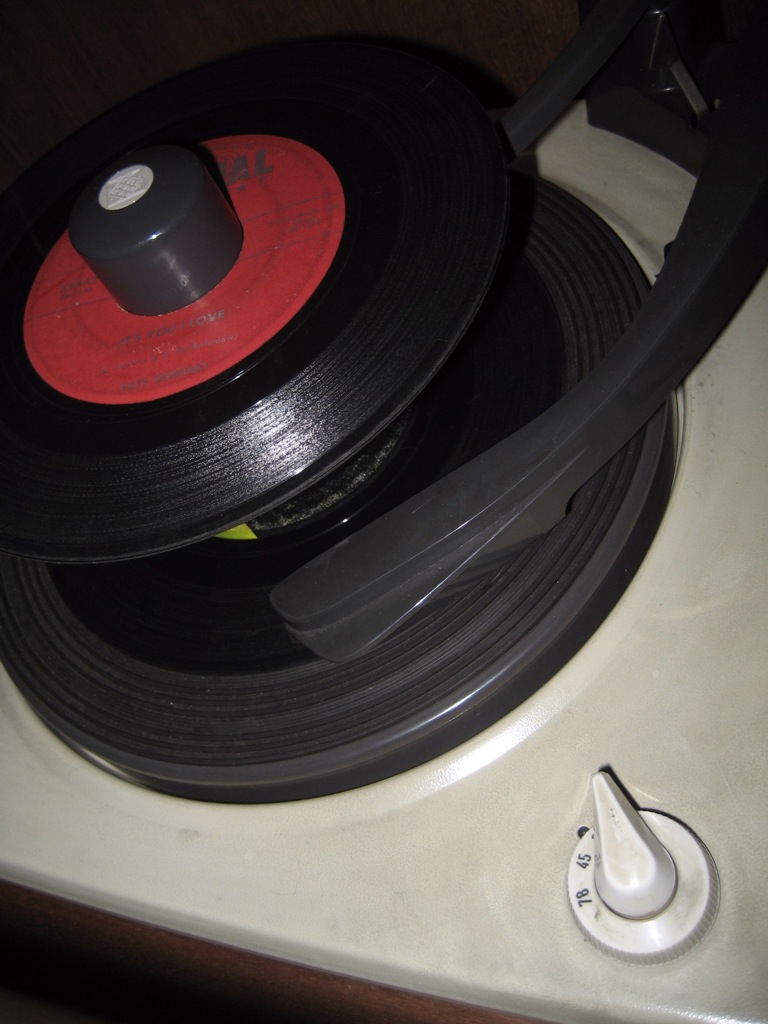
350, 598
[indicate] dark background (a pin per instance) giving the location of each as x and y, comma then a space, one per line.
65, 61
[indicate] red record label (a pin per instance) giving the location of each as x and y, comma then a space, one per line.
291, 205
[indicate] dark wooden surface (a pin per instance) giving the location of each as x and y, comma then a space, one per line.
118, 970
64, 62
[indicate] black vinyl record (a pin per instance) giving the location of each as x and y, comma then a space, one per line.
175, 671
424, 183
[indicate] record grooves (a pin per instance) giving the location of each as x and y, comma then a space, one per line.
173, 669
424, 181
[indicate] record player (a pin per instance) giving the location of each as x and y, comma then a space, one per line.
428, 607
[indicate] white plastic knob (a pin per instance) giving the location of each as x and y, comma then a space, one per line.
634, 875
641, 886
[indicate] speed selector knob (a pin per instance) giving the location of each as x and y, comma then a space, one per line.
642, 887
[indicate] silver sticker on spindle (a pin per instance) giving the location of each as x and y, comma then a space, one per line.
125, 187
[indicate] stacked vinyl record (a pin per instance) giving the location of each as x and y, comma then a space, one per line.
369, 322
